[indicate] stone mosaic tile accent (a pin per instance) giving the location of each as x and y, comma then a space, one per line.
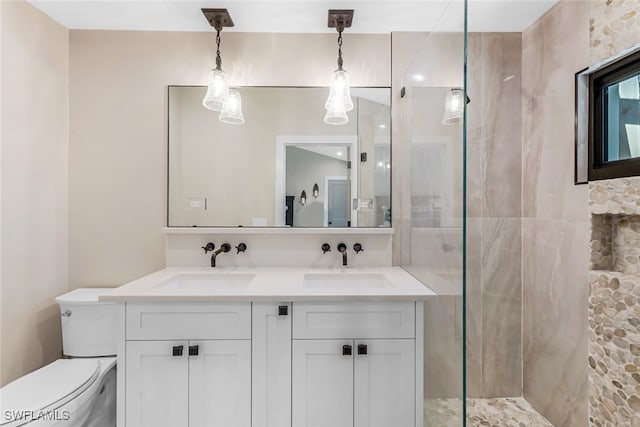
494, 412
615, 225
614, 349
626, 244
615, 243
614, 26
615, 196
600, 247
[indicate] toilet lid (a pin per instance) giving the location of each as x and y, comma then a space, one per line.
48, 387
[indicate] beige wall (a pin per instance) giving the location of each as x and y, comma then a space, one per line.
34, 187
118, 108
555, 218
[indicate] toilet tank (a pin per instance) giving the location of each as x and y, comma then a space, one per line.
89, 327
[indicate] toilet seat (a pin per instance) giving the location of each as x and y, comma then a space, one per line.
46, 389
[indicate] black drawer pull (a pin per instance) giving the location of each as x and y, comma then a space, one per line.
193, 350
362, 349
346, 350
283, 310
177, 350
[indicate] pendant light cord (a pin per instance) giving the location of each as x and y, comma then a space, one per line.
218, 57
340, 48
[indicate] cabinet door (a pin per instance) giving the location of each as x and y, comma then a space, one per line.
384, 383
156, 384
322, 384
220, 383
271, 362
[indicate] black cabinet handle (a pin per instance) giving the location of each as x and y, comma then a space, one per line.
346, 350
177, 350
193, 350
362, 349
283, 310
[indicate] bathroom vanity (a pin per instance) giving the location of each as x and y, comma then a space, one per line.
271, 347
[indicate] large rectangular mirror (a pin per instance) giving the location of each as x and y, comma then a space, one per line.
284, 167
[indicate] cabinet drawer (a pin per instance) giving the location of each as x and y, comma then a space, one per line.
170, 321
354, 320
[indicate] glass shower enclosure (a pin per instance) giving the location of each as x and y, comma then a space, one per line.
429, 194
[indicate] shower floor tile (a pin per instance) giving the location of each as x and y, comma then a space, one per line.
493, 412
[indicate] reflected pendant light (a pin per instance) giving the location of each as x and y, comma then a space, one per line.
218, 87
232, 109
339, 100
454, 106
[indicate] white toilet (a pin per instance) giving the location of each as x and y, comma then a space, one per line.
79, 391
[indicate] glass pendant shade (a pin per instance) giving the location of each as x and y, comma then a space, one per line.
217, 91
232, 109
316, 191
303, 198
339, 92
336, 117
453, 107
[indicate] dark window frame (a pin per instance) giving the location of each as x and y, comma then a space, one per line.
599, 168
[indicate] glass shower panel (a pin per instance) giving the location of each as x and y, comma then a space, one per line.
431, 142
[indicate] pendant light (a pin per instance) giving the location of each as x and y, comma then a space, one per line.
339, 100
454, 106
316, 191
218, 87
219, 96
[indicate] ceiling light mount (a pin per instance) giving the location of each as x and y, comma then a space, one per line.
340, 19
218, 18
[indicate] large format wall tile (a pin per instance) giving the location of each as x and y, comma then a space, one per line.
501, 307
555, 218
555, 292
554, 49
494, 125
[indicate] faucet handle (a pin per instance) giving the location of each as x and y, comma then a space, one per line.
209, 247
358, 248
241, 248
325, 248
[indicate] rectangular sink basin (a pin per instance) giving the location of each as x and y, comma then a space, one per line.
207, 281
349, 281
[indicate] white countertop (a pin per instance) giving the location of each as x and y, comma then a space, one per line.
270, 284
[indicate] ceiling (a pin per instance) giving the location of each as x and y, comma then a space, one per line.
298, 16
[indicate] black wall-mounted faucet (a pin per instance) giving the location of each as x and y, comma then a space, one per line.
342, 248
224, 248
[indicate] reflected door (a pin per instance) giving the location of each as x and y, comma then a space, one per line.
337, 203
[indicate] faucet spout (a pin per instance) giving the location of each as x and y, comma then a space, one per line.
224, 248
342, 248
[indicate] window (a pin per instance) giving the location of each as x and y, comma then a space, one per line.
614, 120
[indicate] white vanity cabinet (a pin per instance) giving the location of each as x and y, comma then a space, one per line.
271, 364
365, 381
188, 365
